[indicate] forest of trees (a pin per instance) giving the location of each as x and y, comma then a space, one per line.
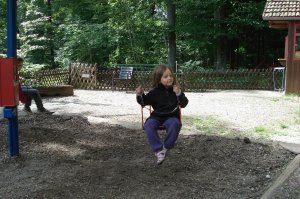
198, 34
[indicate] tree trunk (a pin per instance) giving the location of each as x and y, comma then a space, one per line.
51, 34
172, 35
220, 58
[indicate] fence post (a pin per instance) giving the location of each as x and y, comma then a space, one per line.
95, 75
69, 78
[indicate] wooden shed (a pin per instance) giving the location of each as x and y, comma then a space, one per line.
285, 14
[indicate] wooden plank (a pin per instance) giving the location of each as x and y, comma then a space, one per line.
293, 165
62, 90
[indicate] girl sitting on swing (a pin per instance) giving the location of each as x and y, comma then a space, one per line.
166, 99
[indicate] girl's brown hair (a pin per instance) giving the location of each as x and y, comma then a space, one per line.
158, 73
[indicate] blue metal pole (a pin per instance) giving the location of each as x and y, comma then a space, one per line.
11, 113
11, 28
13, 136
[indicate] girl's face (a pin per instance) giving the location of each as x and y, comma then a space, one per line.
167, 79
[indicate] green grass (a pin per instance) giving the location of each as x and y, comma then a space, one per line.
275, 99
284, 126
210, 125
260, 129
266, 132
288, 97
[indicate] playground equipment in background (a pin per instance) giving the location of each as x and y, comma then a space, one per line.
9, 83
9, 98
279, 78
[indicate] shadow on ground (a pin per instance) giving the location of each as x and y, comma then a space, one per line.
65, 156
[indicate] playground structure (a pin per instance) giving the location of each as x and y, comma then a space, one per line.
9, 83
284, 14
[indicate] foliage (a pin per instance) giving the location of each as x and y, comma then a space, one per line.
55, 33
141, 36
249, 41
36, 33
192, 66
88, 43
2, 27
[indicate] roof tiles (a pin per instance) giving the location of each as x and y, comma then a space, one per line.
282, 10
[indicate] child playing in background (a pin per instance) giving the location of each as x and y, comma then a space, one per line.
165, 98
27, 94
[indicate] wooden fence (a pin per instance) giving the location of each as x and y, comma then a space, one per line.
83, 76
51, 77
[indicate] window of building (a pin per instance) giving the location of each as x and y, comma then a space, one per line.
297, 42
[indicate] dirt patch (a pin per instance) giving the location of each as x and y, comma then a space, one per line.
65, 156
93, 147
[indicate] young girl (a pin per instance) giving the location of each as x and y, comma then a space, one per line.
165, 99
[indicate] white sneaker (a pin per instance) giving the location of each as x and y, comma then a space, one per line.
161, 155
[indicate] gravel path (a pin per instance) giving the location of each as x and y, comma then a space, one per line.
243, 110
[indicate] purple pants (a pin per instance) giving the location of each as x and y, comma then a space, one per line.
172, 126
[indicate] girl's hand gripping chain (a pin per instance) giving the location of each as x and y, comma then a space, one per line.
139, 90
177, 90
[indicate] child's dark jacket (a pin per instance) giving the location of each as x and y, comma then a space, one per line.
164, 102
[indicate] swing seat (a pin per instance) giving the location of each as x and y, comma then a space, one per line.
150, 109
